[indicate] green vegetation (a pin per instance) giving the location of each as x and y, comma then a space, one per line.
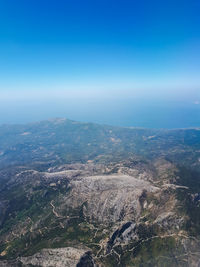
53, 142
32, 216
154, 252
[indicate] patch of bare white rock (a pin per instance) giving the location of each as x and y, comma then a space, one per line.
68, 257
108, 197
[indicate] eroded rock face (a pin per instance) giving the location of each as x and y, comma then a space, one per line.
108, 198
68, 257
115, 210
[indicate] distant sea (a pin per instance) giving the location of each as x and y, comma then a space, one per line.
131, 113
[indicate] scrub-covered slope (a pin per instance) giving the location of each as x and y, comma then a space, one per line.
131, 197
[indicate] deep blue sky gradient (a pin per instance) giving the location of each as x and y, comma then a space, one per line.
89, 50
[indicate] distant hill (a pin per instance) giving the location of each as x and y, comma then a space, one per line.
65, 141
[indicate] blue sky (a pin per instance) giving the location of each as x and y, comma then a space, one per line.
99, 49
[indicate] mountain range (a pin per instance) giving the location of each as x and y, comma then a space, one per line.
84, 194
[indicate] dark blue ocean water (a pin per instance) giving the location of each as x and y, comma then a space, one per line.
135, 113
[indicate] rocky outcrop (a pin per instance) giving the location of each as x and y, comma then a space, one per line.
108, 198
62, 257
97, 215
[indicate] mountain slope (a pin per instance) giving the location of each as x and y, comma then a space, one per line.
130, 198
64, 141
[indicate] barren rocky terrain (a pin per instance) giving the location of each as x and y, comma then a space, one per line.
130, 198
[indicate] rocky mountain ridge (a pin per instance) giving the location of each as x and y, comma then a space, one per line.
141, 209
